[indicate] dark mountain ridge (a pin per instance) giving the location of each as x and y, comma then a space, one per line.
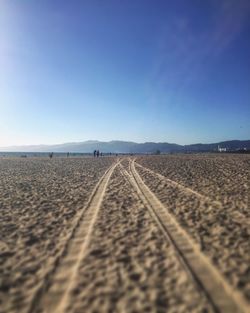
117, 146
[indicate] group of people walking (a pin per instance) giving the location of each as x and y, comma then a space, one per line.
97, 153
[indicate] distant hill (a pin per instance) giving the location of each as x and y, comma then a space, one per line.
129, 147
231, 145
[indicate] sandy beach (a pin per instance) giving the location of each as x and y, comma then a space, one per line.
128, 234
211, 203
40, 199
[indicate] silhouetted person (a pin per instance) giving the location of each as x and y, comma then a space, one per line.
94, 153
67, 154
51, 155
97, 153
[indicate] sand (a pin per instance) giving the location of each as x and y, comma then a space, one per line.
77, 235
39, 200
217, 217
222, 177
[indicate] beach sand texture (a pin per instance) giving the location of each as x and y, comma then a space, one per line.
211, 203
129, 234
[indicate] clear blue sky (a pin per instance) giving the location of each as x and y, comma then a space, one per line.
139, 70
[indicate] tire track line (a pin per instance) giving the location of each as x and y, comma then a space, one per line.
130, 178
174, 183
219, 293
53, 295
237, 216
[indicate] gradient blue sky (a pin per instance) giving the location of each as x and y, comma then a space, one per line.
139, 70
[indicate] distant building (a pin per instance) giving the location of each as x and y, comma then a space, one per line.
221, 149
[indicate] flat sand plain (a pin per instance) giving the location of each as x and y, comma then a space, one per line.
39, 200
213, 206
77, 235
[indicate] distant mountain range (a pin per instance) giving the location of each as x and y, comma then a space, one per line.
130, 147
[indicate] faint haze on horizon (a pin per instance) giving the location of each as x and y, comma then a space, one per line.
141, 70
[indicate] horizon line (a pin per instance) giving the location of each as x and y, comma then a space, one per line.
117, 140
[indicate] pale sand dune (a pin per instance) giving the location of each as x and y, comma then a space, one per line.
73, 242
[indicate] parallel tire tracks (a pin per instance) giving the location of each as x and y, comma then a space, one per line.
53, 295
222, 297
180, 186
240, 216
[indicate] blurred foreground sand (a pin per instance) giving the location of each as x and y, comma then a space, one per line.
124, 262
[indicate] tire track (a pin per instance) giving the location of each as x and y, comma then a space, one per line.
238, 216
53, 295
220, 294
129, 266
174, 183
